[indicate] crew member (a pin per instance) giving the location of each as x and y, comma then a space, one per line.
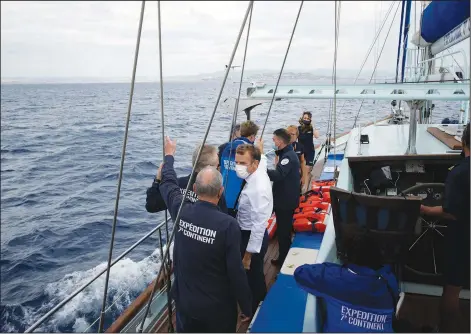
255, 208
233, 184
235, 135
298, 149
209, 277
286, 179
360, 295
208, 157
307, 133
455, 210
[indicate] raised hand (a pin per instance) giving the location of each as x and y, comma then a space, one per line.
170, 146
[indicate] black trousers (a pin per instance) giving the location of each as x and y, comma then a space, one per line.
255, 274
284, 226
217, 324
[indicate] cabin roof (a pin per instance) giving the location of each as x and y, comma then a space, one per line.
392, 140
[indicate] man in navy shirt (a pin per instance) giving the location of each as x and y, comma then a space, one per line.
455, 209
209, 277
361, 295
286, 180
154, 200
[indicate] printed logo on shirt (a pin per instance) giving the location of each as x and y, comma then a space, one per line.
190, 195
284, 161
198, 233
363, 319
232, 164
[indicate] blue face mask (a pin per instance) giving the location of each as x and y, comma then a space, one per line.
275, 147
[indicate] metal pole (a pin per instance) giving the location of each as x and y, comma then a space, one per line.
234, 116
162, 114
123, 154
236, 108
177, 219
337, 19
411, 148
282, 67
162, 120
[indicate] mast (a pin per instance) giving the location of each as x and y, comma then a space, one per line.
400, 40
406, 35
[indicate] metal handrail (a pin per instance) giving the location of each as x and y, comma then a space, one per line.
83, 287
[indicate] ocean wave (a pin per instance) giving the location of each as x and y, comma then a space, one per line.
128, 279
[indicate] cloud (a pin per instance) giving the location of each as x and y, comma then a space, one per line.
98, 38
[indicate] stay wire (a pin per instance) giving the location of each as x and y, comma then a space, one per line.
120, 178
177, 218
377, 62
236, 108
282, 67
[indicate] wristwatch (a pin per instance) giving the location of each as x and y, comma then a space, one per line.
156, 180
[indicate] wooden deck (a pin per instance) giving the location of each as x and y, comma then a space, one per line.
270, 271
423, 311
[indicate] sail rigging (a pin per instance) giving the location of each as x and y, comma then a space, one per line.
408, 92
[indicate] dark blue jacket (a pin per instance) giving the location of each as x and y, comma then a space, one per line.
457, 238
155, 202
209, 277
357, 299
286, 180
232, 183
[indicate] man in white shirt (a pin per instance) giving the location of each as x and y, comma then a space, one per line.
255, 208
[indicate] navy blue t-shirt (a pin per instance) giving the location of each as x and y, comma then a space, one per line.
457, 238
209, 276
298, 149
357, 299
155, 202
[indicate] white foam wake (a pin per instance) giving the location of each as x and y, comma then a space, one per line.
127, 280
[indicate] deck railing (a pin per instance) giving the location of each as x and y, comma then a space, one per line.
56, 308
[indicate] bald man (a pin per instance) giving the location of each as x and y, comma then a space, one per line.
209, 277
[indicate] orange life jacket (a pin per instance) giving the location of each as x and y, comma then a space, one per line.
313, 195
321, 189
304, 225
312, 204
325, 183
311, 215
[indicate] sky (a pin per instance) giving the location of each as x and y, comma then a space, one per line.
44, 39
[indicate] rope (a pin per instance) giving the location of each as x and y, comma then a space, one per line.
337, 22
236, 108
370, 49
329, 122
282, 67
377, 62
177, 219
165, 264
234, 116
123, 154
328, 139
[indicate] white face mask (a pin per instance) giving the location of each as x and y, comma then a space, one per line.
241, 171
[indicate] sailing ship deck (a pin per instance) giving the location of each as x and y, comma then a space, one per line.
270, 271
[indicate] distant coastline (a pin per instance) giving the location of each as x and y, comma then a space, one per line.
249, 76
